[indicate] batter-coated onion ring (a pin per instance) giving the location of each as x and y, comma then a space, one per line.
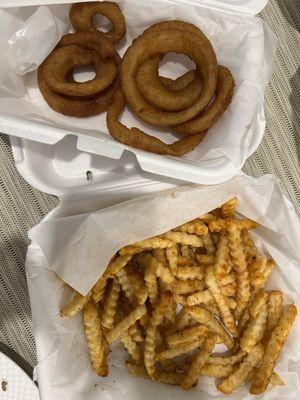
62, 59
141, 140
150, 83
78, 107
223, 97
81, 16
151, 87
160, 42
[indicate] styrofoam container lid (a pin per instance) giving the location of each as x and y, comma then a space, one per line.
41, 132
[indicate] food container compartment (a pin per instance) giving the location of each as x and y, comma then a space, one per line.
241, 41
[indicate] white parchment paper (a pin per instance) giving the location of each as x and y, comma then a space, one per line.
78, 249
242, 43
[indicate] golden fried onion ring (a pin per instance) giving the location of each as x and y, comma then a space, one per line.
153, 43
81, 16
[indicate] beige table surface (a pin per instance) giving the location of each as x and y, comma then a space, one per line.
22, 207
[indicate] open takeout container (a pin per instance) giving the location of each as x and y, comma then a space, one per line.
88, 171
242, 42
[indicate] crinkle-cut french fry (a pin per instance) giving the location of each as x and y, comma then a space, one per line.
95, 338
186, 273
202, 296
240, 267
230, 278
209, 244
132, 348
184, 238
206, 318
130, 250
169, 378
186, 335
124, 281
186, 251
212, 308
238, 377
111, 271
188, 286
216, 370
160, 255
207, 217
150, 277
258, 278
154, 243
249, 246
221, 265
136, 281
157, 317
228, 208
183, 320
180, 299
275, 300
257, 303
136, 333
206, 259
218, 225
254, 331
77, 304
275, 379
171, 313
168, 365
256, 271
110, 305
192, 374
172, 257
227, 360
231, 303
196, 227
184, 261
273, 349
230, 289
98, 294
221, 301
180, 349
124, 325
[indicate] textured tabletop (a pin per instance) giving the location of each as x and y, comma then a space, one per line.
23, 207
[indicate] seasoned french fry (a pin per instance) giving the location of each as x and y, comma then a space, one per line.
172, 257
218, 225
156, 319
123, 326
160, 255
137, 284
110, 305
206, 318
132, 348
150, 277
221, 301
249, 246
192, 374
221, 265
186, 273
216, 370
186, 335
254, 331
153, 243
124, 281
77, 304
202, 296
231, 383
95, 338
240, 267
184, 347
275, 380
227, 360
230, 278
275, 301
209, 244
184, 238
169, 378
228, 208
188, 286
184, 261
207, 217
136, 333
273, 349
196, 227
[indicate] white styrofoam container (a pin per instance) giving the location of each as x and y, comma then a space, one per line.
209, 170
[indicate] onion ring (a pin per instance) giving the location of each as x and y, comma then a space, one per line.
81, 17
223, 98
181, 82
62, 59
150, 83
160, 42
151, 87
78, 107
136, 138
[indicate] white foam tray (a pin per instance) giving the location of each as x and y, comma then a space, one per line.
210, 170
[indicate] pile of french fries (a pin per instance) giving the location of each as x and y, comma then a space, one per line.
172, 298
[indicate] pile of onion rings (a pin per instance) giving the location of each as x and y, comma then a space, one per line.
85, 47
189, 105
